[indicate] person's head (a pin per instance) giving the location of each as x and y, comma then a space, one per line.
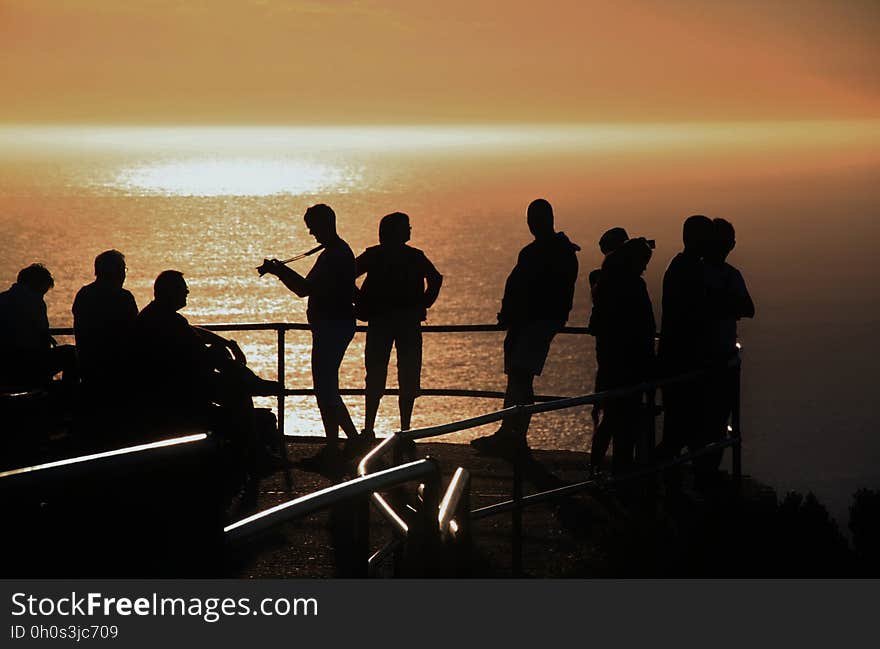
321, 221
170, 289
540, 218
394, 229
632, 256
612, 240
37, 278
110, 267
697, 234
723, 240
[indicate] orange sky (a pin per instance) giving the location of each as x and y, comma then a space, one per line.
398, 61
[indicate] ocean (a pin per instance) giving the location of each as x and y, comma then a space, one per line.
212, 202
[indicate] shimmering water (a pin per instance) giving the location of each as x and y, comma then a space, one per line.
213, 202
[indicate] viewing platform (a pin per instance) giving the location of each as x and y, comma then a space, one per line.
601, 532
444, 511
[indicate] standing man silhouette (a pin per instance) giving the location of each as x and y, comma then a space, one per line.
401, 285
330, 289
683, 335
537, 299
729, 302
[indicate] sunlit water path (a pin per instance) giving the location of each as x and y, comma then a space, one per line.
213, 202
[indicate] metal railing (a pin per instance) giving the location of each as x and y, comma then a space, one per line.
281, 329
66, 467
442, 515
518, 502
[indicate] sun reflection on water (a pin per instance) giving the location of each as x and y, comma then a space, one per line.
235, 177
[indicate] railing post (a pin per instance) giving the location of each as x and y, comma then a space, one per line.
281, 380
429, 529
736, 430
516, 514
648, 439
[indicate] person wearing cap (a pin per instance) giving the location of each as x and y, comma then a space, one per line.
330, 289
401, 284
623, 323
537, 299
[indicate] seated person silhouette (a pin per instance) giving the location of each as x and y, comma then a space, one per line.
400, 287
103, 318
30, 356
189, 377
623, 323
537, 300
729, 301
330, 288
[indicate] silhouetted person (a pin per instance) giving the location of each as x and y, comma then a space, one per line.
683, 335
610, 241
537, 300
182, 368
623, 323
191, 377
29, 356
729, 301
400, 287
103, 318
330, 288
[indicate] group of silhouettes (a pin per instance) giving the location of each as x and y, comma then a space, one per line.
179, 375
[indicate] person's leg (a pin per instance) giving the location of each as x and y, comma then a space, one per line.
325, 378
602, 433
377, 354
343, 335
408, 342
625, 413
520, 392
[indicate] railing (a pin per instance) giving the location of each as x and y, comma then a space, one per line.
64, 468
281, 328
442, 514
518, 502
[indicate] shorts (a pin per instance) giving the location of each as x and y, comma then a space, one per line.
526, 345
405, 334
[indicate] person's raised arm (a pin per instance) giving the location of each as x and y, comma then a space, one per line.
289, 277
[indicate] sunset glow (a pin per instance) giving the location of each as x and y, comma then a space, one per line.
396, 61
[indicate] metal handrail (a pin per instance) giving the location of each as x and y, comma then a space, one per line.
598, 397
125, 453
543, 496
280, 328
456, 493
334, 495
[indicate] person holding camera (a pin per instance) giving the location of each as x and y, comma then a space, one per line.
330, 289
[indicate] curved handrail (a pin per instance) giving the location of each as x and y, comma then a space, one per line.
559, 404
333, 495
118, 454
